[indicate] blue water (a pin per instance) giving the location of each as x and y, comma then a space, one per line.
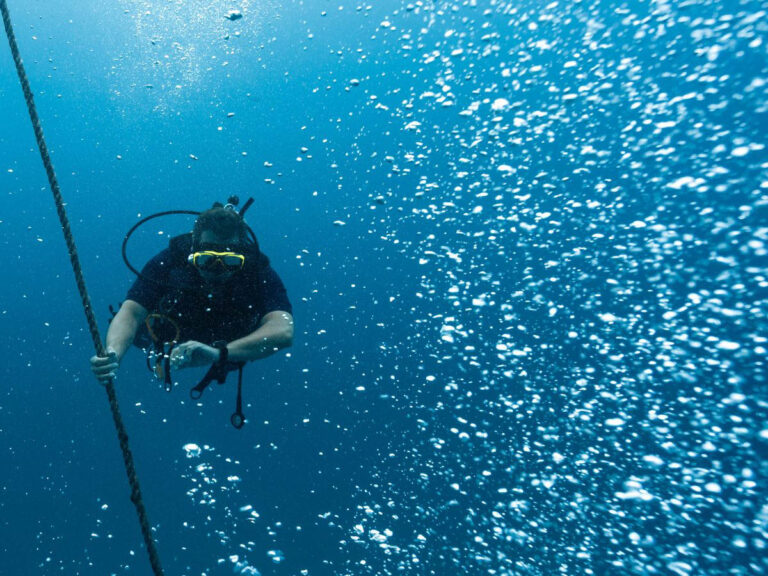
526, 249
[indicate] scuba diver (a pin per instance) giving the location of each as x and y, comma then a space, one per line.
210, 298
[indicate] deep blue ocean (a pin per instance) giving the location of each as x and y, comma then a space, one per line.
526, 245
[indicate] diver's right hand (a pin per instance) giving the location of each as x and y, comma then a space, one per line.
105, 367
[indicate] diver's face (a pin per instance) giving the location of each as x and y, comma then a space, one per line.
211, 241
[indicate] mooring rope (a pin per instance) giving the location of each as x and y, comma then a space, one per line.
130, 470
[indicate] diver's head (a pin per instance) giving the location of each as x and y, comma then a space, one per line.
222, 222
218, 242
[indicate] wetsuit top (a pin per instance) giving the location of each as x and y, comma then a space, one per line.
170, 285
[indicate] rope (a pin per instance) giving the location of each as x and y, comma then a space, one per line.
146, 531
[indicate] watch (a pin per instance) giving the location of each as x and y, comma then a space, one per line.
223, 352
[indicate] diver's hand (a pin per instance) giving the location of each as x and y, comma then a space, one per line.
105, 367
191, 353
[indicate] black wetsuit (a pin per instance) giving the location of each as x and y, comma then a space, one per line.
171, 286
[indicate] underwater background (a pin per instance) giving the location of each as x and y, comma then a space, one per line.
526, 247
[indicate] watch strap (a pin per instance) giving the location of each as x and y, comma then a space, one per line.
223, 352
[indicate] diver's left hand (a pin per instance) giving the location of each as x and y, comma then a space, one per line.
192, 353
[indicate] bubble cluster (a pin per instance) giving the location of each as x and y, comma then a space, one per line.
581, 190
169, 56
221, 507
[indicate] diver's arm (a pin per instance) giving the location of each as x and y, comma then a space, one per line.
274, 333
122, 329
120, 335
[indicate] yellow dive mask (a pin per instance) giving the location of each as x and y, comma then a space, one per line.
209, 261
